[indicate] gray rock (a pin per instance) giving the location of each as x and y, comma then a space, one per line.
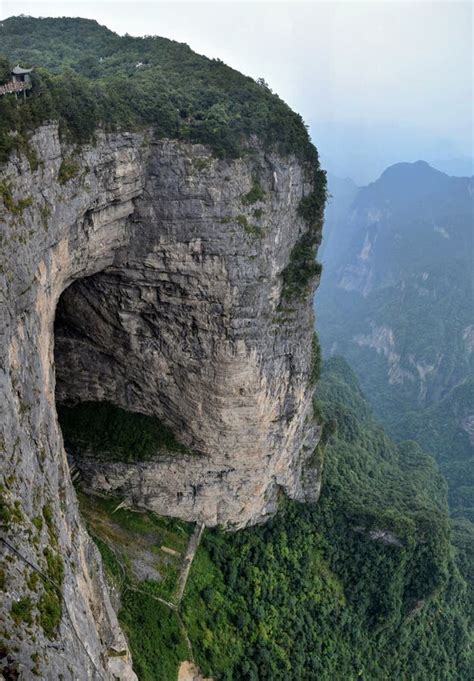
172, 310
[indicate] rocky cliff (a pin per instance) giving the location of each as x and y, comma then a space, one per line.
162, 268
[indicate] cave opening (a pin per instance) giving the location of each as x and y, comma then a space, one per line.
100, 351
104, 395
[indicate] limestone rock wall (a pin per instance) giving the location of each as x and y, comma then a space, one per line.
173, 309
51, 233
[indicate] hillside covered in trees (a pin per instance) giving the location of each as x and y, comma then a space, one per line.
364, 584
87, 76
368, 583
396, 302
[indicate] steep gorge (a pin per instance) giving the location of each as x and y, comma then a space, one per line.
168, 264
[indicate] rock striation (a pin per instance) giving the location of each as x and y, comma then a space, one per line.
161, 266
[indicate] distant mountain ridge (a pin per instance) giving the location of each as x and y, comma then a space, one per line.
411, 206
362, 149
396, 300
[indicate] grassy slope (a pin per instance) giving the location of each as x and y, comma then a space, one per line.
131, 544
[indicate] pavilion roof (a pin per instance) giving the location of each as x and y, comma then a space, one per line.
18, 71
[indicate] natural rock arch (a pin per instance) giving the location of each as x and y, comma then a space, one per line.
160, 235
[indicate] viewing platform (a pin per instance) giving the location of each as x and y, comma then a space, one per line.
20, 82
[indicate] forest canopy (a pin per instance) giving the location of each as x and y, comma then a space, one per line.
87, 76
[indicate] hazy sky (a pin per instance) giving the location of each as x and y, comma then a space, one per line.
370, 63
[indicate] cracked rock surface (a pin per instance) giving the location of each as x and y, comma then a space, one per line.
165, 285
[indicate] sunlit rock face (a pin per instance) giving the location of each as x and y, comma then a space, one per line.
166, 283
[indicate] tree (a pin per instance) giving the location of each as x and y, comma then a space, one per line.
5, 70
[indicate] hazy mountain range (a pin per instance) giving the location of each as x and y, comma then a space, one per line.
362, 149
396, 301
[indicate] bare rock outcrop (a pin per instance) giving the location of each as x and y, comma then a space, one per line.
168, 270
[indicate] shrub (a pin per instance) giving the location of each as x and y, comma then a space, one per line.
255, 194
67, 171
302, 268
315, 359
21, 611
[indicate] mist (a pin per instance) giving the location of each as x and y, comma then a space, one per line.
377, 82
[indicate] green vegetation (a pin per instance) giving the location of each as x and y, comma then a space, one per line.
49, 519
418, 276
50, 602
88, 77
315, 359
439, 429
31, 154
242, 221
5, 71
361, 585
45, 214
255, 194
12, 206
252, 230
155, 637
50, 605
312, 205
10, 512
21, 611
38, 522
67, 171
201, 163
364, 584
32, 581
408, 335
302, 268
115, 434
142, 553
35, 658
142, 543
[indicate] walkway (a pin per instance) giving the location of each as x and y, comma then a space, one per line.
188, 561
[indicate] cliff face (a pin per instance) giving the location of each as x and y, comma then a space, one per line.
397, 291
173, 261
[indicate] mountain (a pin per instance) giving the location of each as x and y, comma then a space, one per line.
341, 194
157, 269
363, 584
396, 301
396, 297
363, 148
85, 76
160, 216
461, 166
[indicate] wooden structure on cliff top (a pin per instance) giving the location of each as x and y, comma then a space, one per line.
20, 82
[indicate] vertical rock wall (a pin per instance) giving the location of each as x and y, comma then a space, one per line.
174, 311
187, 325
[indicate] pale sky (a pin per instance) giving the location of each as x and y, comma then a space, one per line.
375, 63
